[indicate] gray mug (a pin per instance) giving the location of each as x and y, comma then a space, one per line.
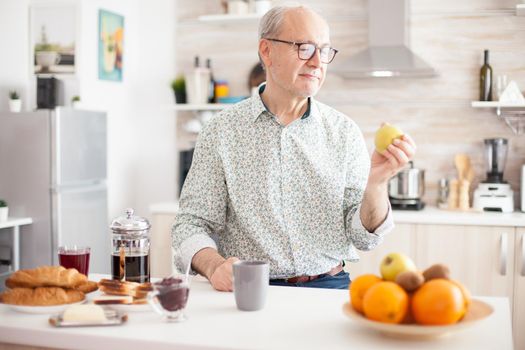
250, 284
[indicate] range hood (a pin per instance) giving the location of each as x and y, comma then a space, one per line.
388, 54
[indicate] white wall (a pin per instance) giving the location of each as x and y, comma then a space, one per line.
141, 134
141, 145
14, 58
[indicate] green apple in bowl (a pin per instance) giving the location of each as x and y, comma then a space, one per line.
395, 263
385, 135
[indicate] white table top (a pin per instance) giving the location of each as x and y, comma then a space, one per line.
11, 222
294, 318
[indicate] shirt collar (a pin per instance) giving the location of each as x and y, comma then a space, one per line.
258, 107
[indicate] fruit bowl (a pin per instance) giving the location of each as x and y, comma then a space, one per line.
477, 311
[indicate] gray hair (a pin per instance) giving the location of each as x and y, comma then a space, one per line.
271, 22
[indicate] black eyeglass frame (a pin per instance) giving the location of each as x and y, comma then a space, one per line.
335, 51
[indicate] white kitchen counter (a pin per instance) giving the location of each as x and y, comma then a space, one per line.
294, 318
429, 215
433, 215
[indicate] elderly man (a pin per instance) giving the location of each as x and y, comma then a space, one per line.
283, 178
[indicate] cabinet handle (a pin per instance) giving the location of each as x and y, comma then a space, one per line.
523, 255
503, 255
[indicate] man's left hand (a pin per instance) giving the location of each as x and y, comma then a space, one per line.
392, 160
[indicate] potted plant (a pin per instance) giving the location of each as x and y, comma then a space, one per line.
75, 100
15, 103
46, 54
179, 88
3, 210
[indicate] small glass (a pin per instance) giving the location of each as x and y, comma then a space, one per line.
501, 85
170, 296
74, 257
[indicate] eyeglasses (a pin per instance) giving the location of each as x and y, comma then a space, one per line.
306, 51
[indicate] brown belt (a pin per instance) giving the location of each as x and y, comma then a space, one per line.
302, 279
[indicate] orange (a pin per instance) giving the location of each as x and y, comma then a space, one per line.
438, 302
386, 302
358, 288
409, 318
466, 293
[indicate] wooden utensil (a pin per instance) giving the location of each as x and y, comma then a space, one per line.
453, 194
470, 174
462, 162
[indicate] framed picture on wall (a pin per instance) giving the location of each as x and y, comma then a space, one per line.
53, 36
110, 45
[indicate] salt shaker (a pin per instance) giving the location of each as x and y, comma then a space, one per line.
442, 193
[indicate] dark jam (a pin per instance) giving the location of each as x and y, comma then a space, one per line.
136, 268
173, 295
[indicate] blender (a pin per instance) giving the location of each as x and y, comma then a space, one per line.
494, 194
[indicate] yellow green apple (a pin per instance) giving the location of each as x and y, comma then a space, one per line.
385, 135
395, 263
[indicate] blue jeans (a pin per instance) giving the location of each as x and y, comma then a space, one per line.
339, 281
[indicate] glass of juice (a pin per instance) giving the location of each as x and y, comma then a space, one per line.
75, 257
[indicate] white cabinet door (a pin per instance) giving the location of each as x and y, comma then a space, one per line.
518, 323
161, 252
400, 240
481, 257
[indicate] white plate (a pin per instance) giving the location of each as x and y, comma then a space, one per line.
42, 309
477, 311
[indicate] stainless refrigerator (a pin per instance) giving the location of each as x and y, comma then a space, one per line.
53, 169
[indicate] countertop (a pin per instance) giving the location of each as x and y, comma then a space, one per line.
294, 318
429, 215
433, 215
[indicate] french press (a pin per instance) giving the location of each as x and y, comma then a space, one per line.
130, 245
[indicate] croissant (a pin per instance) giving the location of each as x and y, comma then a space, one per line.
46, 276
87, 287
42, 296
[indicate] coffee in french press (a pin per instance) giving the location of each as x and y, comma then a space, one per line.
130, 246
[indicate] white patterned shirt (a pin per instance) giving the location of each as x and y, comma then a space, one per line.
289, 195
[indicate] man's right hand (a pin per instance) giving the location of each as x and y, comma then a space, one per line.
222, 277
219, 271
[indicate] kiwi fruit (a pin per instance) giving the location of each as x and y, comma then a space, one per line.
410, 280
437, 271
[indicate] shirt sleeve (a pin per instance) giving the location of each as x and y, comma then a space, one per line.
358, 168
203, 201
386, 226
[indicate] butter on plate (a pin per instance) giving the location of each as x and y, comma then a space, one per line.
84, 313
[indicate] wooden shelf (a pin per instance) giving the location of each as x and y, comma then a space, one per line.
512, 113
228, 19
11, 222
496, 104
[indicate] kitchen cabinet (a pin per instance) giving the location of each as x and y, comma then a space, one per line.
481, 257
161, 251
518, 321
401, 240
487, 259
